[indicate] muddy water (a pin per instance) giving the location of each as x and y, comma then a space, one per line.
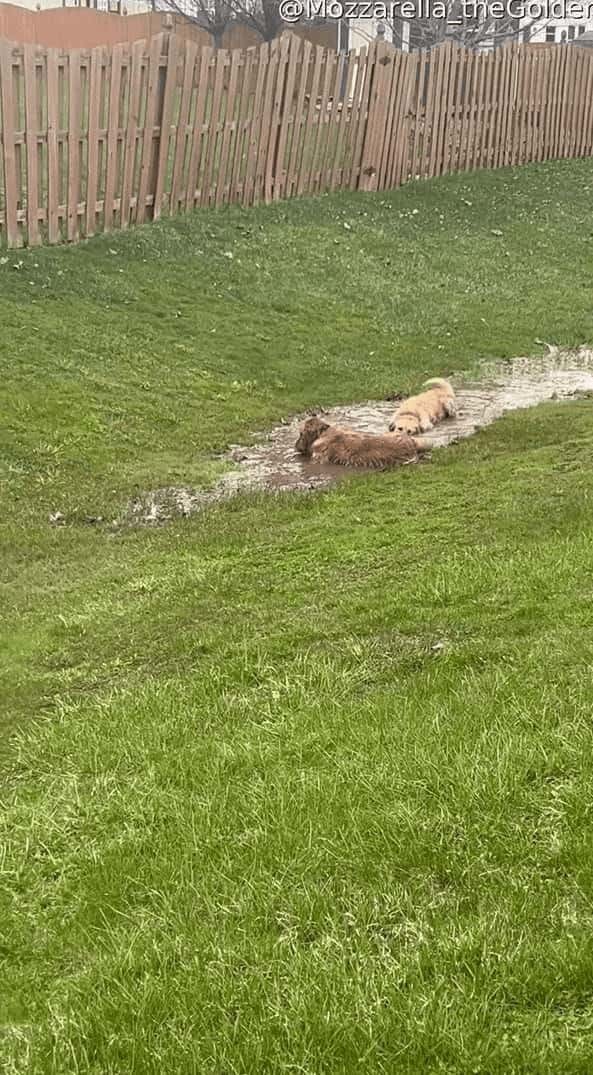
272, 463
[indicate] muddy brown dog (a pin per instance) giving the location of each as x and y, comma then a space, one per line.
324, 443
420, 413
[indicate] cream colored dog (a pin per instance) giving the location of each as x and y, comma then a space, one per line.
420, 413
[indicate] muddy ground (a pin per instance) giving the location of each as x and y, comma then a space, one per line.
271, 463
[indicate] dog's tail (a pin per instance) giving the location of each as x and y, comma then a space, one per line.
423, 445
439, 382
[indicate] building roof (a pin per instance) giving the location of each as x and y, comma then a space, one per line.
585, 40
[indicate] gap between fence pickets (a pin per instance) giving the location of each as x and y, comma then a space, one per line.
92, 140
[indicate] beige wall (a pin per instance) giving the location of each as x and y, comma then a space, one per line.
60, 27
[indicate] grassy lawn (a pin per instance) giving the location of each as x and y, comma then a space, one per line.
303, 784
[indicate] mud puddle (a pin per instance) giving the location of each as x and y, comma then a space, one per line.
272, 463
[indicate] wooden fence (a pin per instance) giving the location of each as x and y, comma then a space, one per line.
107, 138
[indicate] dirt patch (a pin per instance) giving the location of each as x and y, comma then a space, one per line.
272, 463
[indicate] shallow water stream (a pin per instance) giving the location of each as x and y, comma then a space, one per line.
272, 463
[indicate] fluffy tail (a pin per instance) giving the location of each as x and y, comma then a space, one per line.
438, 382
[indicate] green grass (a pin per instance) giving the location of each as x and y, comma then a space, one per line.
302, 784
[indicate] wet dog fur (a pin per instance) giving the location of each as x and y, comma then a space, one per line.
420, 413
324, 443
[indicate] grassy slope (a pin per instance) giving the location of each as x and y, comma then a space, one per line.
315, 790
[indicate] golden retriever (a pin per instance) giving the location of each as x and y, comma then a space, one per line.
324, 443
420, 413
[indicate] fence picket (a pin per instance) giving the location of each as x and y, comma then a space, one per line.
199, 125
152, 95
73, 143
457, 67
222, 183
13, 233
486, 113
377, 116
264, 132
286, 115
165, 125
276, 105
112, 137
297, 121
386, 142
189, 60
523, 107
433, 110
357, 178
477, 110
509, 111
330, 122
310, 112
320, 129
472, 72
31, 123
549, 96
559, 111
132, 132
587, 143
213, 128
402, 142
419, 92
532, 132
539, 108
444, 116
568, 118
579, 98
92, 137
239, 154
339, 118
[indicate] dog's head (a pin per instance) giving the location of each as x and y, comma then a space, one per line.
310, 431
405, 423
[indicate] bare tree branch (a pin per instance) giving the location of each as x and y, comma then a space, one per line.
471, 25
263, 16
212, 15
